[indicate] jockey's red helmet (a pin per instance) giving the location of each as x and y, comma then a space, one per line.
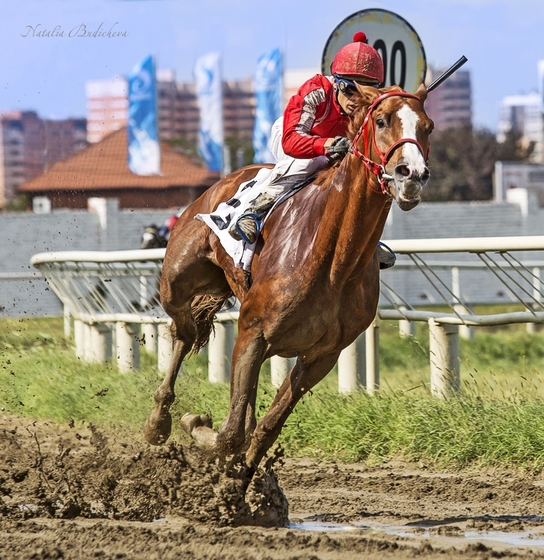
358, 61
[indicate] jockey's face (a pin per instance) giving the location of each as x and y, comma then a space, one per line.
347, 92
347, 103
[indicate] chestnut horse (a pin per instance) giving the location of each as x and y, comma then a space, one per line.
315, 273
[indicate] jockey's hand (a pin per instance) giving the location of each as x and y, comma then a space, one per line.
338, 149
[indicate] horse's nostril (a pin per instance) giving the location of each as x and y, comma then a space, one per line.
426, 175
403, 170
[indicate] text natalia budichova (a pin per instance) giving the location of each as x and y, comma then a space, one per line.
81, 30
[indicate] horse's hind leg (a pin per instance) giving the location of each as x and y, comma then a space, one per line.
192, 324
299, 381
235, 432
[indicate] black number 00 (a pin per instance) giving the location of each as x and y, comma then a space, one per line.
398, 51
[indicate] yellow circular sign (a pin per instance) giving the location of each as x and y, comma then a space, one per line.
392, 36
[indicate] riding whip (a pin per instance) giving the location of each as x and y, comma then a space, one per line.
447, 73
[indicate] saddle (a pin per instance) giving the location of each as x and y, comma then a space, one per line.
227, 213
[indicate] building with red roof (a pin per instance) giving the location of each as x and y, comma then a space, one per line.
101, 170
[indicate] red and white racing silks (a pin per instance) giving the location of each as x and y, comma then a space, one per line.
311, 117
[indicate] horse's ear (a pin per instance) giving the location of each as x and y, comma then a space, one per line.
422, 93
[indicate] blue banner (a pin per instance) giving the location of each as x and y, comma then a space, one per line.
210, 103
268, 94
144, 156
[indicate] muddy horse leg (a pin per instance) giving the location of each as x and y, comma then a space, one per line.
299, 381
158, 426
233, 437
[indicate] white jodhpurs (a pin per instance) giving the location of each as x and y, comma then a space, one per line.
288, 170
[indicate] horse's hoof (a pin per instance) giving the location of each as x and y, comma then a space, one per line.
157, 428
191, 421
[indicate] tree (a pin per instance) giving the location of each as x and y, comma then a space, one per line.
18, 204
462, 161
241, 151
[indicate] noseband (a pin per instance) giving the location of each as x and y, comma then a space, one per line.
367, 130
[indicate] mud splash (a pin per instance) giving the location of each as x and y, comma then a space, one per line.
84, 474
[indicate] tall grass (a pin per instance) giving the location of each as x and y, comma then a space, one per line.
498, 419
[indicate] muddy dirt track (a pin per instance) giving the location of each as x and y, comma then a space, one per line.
74, 492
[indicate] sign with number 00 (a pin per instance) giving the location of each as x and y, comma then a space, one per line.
392, 36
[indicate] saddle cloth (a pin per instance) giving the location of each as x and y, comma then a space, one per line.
228, 212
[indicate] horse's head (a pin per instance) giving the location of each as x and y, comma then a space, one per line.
391, 137
152, 239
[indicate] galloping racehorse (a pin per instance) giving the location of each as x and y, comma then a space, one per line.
315, 273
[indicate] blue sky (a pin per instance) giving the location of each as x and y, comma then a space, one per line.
503, 40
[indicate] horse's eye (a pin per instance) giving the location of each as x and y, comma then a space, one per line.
380, 123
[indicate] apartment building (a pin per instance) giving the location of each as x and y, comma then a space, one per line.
107, 107
523, 114
177, 108
450, 104
29, 145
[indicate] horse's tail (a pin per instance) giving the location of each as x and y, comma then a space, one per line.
204, 309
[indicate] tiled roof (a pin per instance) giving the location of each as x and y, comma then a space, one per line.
104, 166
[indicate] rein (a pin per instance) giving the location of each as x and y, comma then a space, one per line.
372, 166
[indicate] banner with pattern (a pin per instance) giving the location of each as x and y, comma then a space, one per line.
210, 103
268, 94
143, 135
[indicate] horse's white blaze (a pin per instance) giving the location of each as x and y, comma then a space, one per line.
412, 156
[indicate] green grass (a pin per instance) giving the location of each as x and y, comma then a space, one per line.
498, 419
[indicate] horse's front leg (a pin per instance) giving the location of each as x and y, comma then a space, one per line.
158, 425
235, 433
300, 380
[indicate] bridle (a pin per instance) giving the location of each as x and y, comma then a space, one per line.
367, 130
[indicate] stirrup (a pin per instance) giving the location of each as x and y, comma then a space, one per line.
386, 249
242, 235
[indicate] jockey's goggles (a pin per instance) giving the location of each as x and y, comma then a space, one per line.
348, 87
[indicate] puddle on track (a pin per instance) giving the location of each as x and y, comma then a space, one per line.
533, 539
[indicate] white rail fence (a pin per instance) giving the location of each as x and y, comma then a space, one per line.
111, 298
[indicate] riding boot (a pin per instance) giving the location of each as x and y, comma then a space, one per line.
247, 226
386, 256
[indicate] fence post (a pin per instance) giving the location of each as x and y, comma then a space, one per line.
352, 366
372, 345
444, 359
279, 369
465, 331
531, 327
220, 352
67, 319
406, 328
164, 347
127, 346
87, 342
149, 334
100, 343
79, 338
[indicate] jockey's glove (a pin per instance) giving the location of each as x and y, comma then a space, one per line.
338, 149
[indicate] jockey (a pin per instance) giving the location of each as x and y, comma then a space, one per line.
166, 229
312, 132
